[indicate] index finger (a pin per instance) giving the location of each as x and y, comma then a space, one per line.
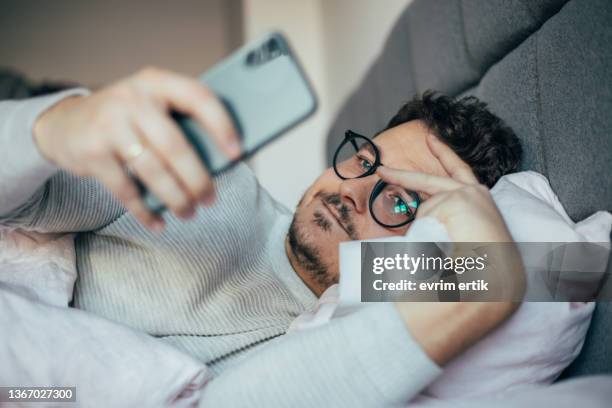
452, 163
194, 99
412, 180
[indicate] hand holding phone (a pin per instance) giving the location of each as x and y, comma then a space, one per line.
126, 125
251, 97
264, 92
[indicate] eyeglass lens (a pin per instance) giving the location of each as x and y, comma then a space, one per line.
355, 157
394, 206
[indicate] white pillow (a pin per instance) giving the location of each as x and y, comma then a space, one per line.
40, 266
542, 338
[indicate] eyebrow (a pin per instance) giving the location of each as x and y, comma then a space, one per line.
368, 147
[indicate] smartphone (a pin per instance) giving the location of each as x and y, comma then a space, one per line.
265, 91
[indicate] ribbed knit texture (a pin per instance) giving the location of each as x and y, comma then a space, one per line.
213, 286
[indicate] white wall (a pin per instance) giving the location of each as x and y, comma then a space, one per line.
336, 41
355, 31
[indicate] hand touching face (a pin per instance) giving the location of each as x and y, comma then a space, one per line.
459, 202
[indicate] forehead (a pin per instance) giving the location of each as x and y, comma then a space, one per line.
405, 147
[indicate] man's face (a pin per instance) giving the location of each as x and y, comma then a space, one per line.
334, 210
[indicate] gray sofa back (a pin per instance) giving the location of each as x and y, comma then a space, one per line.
543, 66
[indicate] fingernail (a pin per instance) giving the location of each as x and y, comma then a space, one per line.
235, 148
208, 200
188, 214
433, 137
157, 226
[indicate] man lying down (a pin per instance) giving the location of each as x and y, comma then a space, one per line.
219, 281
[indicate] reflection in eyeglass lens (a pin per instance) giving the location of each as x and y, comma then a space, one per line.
394, 205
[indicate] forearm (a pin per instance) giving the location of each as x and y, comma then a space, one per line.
446, 329
366, 359
34, 193
23, 170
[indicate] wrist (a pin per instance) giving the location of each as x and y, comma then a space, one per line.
50, 123
446, 329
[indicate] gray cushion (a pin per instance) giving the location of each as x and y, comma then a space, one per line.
511, 90
575, 85
437, 38
494, 27
545, 67
556, 93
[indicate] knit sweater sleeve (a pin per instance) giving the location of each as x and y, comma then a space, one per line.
35, 194
366, 359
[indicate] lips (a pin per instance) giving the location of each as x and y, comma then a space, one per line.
334, 213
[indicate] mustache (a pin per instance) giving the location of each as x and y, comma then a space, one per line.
345, 213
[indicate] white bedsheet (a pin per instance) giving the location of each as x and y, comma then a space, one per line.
40, 266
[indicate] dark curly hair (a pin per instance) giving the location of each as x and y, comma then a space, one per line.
479, 137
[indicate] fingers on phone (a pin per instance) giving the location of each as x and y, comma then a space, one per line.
177, 154
135, 150
112, 174
150, 169
194, 99
426, 183
452, 163
212, 116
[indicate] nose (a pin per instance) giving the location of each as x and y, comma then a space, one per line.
356, 192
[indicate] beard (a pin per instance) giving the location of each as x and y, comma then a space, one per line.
302, 242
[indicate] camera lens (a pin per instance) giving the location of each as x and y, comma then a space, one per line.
266, 52
273, 47
252, 58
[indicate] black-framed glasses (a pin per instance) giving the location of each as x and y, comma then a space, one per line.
390, 205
